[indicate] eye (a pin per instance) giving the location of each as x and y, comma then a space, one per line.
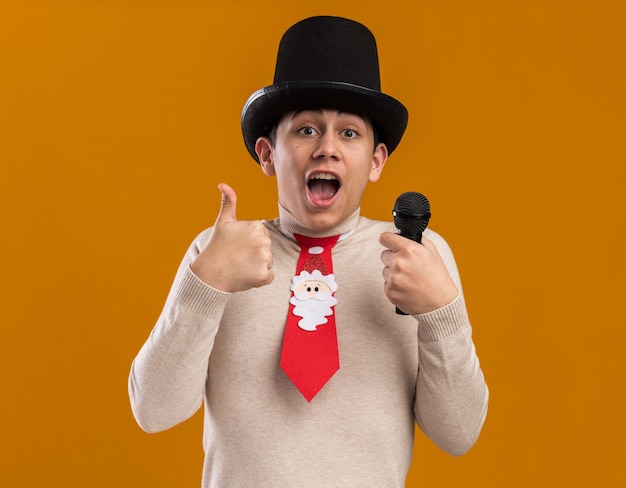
307, 131
317, 288
308, 288
350, 133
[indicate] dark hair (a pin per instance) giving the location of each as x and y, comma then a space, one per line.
271, 134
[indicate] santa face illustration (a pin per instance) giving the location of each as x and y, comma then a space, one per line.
313, 298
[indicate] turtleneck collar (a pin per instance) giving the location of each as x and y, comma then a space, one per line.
290, 225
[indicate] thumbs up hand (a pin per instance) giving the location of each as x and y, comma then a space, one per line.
238, 255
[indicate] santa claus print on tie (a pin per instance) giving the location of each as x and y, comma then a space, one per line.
313, 290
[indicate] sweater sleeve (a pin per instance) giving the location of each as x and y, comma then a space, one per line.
451, 393
168, 376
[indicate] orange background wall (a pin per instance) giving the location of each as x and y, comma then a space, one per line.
119, 118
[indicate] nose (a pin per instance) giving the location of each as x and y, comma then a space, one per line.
328, 147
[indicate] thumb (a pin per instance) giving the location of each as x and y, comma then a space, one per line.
391, 241
229, 204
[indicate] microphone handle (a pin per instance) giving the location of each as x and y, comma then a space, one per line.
417, 238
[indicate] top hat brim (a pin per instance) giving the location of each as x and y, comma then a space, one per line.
265, 107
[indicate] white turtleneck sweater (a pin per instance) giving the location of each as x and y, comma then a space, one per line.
224, 350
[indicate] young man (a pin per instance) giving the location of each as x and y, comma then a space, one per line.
308, 376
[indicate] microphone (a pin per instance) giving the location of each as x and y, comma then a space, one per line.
411, 214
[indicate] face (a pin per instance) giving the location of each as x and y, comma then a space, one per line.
322, 160
312, 288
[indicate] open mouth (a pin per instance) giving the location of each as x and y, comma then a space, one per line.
323, 186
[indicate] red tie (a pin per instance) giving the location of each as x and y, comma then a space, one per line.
310, 355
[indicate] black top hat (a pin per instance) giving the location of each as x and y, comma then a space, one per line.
325, 62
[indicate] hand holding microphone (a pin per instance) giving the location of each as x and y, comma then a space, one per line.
416, 278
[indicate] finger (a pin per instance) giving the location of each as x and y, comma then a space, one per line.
391, 241
387, 257
385, 274
228, 209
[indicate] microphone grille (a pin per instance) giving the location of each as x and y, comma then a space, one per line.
411, 213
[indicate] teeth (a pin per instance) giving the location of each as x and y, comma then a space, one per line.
323, 176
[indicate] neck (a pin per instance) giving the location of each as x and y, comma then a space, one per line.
290, 225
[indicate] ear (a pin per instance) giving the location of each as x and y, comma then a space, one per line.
264, 152
379, 158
